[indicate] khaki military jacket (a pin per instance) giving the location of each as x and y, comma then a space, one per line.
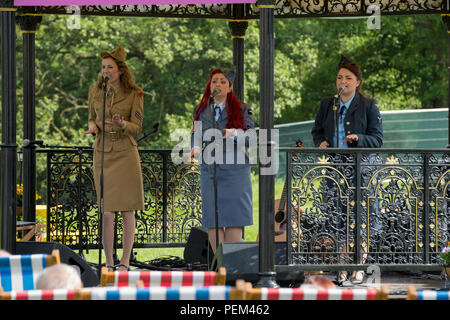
128, 105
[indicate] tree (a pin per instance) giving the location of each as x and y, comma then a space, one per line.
403, 65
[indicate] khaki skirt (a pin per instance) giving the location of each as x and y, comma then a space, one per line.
123, 188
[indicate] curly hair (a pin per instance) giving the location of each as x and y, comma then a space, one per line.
126, 77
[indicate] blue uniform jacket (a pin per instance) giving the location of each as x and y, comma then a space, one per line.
363, 118
234, 187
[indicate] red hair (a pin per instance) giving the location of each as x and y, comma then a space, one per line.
232, 105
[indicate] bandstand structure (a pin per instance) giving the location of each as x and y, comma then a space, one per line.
238, 16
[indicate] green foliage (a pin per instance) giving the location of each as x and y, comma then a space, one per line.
403, 62
403, 65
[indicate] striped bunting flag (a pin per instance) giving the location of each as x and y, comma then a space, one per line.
161, 293
433, 295
164, 278
47, 294
317, 294
20, 272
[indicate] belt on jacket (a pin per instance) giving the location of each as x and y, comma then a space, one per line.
113, 135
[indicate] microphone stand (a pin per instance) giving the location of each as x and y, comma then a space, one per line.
216, 210
336, 118
337, 115
102, 181
155, 129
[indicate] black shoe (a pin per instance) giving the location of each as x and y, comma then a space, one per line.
110, 268
117, 266
342, 277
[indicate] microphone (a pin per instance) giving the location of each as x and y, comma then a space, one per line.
215, 92
105, 78
33, 143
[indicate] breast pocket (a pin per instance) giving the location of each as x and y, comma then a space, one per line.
98, 105
356, 124
123, 109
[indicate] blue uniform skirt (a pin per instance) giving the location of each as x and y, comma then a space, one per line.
234, 195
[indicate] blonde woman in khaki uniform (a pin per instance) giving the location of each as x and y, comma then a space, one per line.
123, 188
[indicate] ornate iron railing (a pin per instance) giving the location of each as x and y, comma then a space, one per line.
172, 200
389, 207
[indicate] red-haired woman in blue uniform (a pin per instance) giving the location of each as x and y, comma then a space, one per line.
231, 117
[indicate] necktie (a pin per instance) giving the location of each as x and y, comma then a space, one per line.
341, 111
218, 113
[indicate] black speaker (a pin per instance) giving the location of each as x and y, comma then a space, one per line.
68, 256
241, 261
196, 248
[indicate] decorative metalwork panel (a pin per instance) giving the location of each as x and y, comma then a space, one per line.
369, 208
392, 202
184, 202
172, 200
71, 198
438, 221
316, 8
181, 10
362, 207
322, 195
283, 9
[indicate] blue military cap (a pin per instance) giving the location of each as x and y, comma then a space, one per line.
230, 74
343, 61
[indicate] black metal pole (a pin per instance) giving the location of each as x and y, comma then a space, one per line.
426, 207
238, 28
359, 247
102, 181
165, 188
81, 211
28, 23
446, 18
266, 181
216, 205
8, 146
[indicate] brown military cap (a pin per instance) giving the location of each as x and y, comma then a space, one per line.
119, 54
